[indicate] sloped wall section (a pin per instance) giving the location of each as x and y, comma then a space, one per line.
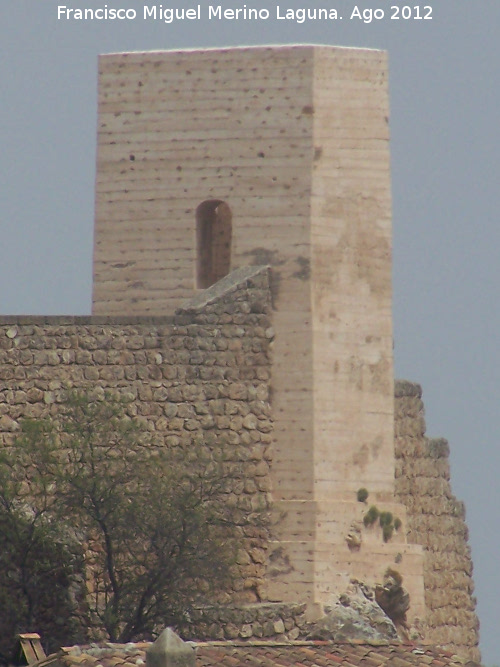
436, 520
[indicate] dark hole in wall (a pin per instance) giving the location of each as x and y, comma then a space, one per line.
213, 242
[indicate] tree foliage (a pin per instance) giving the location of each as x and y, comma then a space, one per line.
40, 565
155, 524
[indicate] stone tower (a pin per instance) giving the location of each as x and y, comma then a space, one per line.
212, 160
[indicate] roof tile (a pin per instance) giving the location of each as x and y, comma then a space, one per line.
266, 654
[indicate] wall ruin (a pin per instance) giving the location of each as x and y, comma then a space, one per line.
436, 520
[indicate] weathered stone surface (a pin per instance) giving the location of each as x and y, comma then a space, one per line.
357, 620
355, 616
162, 384
184, 403
8, 424
436, 520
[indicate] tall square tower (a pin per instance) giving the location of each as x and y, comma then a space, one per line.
211, 160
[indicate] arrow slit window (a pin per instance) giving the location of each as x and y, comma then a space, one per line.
213, 242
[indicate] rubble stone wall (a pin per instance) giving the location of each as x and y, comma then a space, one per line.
436, 520
281, 622
202, 375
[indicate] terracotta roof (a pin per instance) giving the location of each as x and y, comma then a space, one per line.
267, 654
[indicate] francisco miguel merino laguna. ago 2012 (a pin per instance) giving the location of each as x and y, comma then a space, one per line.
244, 13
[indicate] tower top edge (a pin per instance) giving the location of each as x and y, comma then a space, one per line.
253, 48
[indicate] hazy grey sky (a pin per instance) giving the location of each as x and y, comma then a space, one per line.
445, 143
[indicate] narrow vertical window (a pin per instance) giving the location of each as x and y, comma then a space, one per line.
213, 242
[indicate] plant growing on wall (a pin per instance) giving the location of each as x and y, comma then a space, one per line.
387, 522
160, 533
371, 516
362, 495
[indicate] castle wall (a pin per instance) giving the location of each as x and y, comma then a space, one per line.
436, 520
207, 374
203, 375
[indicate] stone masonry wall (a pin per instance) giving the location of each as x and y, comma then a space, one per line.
202, 375
205, 373
436, 520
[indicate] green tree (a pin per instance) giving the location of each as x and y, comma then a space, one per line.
158, 531
40, 565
